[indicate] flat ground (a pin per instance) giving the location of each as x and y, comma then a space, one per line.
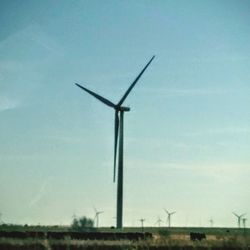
163, 238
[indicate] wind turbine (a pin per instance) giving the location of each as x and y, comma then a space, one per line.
238, 217
74, 217
169, 216
119, 114
159, 220
211, 222
142, 222
97, 213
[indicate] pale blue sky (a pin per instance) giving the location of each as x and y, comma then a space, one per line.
187, 137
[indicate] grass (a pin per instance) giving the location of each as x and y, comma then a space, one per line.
157, 243
163, 238
113, 245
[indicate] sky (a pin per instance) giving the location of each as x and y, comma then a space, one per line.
186, 138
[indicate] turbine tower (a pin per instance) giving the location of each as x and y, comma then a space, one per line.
244, 222
142, 223
97, 213
238, 217
169, 216
119, 115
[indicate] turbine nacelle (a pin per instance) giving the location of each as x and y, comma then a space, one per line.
125, 109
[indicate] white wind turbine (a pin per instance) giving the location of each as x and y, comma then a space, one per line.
96, 218
238, 218
159, 221
169, 216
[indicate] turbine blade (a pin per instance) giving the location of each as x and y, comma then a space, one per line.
95, 209
100, 98
166, 211
242, 214
235, 214
116, 139
134, 82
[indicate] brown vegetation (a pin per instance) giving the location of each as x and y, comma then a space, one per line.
128, 239
173, 242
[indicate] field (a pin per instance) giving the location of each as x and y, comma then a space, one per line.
155, 239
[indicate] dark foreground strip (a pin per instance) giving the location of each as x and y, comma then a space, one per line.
76, 235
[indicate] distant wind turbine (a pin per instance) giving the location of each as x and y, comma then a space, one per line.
96, 218
74, 216
238, 218
211, 222
169, 217
119, 113
159, 220
142, 223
